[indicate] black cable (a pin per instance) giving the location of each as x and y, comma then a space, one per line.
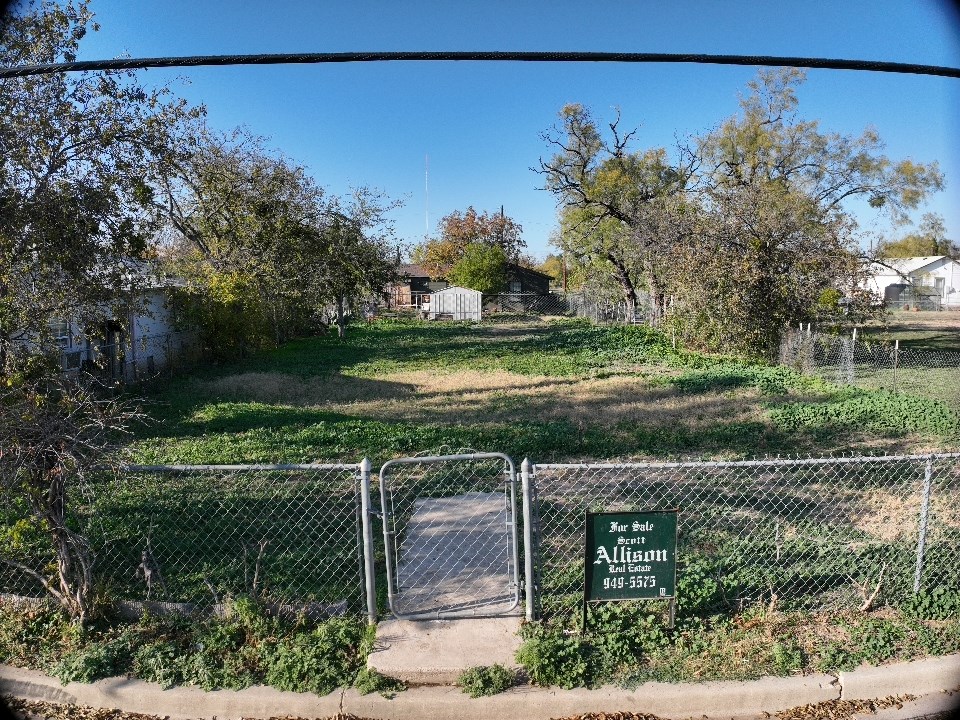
406, 56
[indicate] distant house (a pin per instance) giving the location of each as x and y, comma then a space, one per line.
930, 282
415, 284
130, 348
526, 280
412, 288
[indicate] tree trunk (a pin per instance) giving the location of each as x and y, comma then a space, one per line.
341, 317
74, 582
626, 285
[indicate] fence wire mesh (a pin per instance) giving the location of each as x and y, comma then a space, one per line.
516, 306
846, 359
817, 534
194, 536
450, 536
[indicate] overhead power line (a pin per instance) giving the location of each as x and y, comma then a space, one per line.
494, 56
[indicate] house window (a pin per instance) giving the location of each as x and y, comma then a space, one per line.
60, 329
940, 284
516, 286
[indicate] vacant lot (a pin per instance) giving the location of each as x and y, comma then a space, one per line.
924, 330
553, 391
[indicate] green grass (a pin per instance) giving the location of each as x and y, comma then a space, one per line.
196, 421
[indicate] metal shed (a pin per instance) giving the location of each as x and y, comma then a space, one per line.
455, 303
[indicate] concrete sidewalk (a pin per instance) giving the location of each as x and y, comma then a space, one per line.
930, 678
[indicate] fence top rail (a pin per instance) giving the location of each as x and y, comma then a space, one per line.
237, 468
427, 459
778, 462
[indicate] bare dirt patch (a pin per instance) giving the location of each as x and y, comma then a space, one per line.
503, 396
924, 320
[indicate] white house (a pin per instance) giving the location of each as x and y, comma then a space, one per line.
455, 303
900, 281
131, 348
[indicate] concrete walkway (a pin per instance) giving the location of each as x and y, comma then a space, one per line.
455, 558
435, 652
929, 678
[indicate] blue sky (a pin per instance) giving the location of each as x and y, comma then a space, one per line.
374, 124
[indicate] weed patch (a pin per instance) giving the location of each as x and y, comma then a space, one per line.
486, 680
369, 681
245, 648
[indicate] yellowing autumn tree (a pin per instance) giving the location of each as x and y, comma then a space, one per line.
459, 230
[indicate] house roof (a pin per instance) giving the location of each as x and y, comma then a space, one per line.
909, 265
411, 270
524, 269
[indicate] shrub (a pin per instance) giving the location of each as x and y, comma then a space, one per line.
369, 680
318, 661
486, 680
95, 660
552, 658
941, 603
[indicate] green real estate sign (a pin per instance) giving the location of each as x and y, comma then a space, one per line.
631, 555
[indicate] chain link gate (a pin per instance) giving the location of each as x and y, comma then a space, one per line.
450, 535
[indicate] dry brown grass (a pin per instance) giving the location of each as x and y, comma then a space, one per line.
887, 516
924, 320
499, 396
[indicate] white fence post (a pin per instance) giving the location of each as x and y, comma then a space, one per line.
369, 572
924, 513
527, 487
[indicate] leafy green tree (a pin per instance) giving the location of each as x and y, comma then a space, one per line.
359, 248
744, 231
244, 222
459, 230
481, 267
930, 239
614, 203
553, 265
79, 154
773, 188
266, 250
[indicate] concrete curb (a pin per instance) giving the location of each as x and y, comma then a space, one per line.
710, 699
917, 677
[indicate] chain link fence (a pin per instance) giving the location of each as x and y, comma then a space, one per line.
451, 535
815, 534
846, 359
147, 358
185, 538
519, 306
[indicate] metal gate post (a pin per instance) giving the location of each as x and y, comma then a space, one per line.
369, 571
527, 487
924, 511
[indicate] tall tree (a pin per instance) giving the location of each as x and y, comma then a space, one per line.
929, 239
773, 188
482, 267
78, 154
610, 197
360, 260
267, 249
459, 230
